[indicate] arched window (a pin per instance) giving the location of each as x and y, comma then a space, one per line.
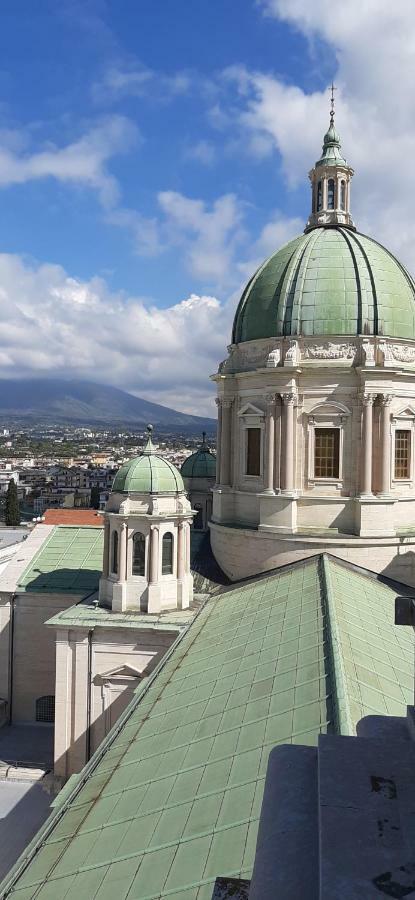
330, 193
198, 519
319, 195
115, 552
45, 709
167, 554
139, 554
343, 195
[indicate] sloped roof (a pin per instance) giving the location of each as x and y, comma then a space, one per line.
73, 517
68, 561
172, 797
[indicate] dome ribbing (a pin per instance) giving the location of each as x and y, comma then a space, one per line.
328, 281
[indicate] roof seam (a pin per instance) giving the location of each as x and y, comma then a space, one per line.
342, 717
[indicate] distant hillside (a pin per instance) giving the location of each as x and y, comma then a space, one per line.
83, 402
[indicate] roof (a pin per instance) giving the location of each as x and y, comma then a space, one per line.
331, 155
329, 281
148, 474
172, 797
88, 615
201, 464
73, 517
68, 561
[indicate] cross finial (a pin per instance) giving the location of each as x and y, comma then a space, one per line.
332, 113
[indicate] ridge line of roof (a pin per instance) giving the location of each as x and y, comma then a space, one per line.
341, 708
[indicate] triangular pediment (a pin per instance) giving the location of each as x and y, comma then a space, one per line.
124, 671
407, 413
250, 410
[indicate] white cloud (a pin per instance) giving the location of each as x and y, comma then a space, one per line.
82, 162
203, 151
374, 44
122, 80
52, 323
208, 236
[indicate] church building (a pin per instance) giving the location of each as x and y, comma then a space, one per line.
178, 673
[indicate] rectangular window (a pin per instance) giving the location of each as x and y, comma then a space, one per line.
253, 451
326, 452
402, 454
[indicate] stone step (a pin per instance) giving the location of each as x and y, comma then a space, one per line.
366, 809
286, 859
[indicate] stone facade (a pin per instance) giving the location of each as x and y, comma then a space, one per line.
362, 387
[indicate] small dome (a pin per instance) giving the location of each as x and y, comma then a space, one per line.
329, 281
201, 464
148, 474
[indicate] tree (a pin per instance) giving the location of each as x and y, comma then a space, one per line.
12, 512
95, 496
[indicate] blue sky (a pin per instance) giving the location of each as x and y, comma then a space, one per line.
153, 153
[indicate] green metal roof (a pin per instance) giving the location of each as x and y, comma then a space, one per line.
329, 281
148, 474
69, 561
172, 797
201, 464
87, 615
331, 155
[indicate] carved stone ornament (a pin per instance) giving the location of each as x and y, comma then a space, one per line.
403, 353
274, 358
368, 353
291, 355
289, 399
329, 351
368, 399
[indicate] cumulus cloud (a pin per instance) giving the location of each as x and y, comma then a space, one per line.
52, 323
208, 236
373, 44
82, 162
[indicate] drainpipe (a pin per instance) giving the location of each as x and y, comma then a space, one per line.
88, 697
11, 653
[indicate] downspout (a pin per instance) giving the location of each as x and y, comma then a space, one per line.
11, 653
88, 697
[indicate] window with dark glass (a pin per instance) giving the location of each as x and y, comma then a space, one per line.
167, 554
326, 452
114, 566
402, 454
330, 193
139, 554
319, 195
198, 519
45, 709
253, 451
343, 195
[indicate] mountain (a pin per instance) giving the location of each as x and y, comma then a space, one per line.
84, 402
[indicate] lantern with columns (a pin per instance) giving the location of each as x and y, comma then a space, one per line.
146, 565
316, 399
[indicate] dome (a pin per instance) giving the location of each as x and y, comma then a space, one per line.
328, 281
201, 464
148, 474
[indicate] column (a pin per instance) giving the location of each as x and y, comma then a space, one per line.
269, 444
385, 443
154, 555
277, 444
226, 433
180, 551
367, 445
218, 402
288, 439
187, 556
122, 568
106, 553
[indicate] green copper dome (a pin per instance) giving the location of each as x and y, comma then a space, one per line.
201, 464
329, 281
148, 474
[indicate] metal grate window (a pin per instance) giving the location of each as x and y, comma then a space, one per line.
45, 709
402, 454
330, 193
115, 552
326, 452
167, 554
139, 554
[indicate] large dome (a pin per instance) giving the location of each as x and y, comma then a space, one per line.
148, 474
328, 281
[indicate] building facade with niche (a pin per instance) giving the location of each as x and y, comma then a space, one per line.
316, 400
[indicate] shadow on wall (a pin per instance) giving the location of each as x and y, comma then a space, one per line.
77, 581
24, 806
402, 566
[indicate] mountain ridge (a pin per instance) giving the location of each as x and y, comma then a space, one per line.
79, 402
